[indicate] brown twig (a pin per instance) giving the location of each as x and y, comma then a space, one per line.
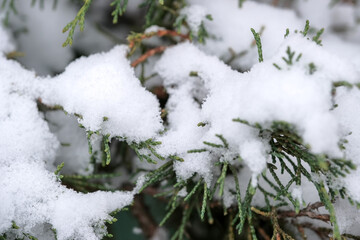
263, 233
306, 212
278, 232
275, 2
133, 40
148, 54
301, 231
136, 38
14, 54
323, 232
142, 214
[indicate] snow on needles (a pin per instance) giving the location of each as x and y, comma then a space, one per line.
265, 94
32, 196
237, 36
205, 96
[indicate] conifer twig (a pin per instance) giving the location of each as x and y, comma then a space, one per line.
258, 44
78, 20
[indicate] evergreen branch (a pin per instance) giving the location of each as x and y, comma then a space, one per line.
157, 174
258, 44
214, 145
274, 218
241, 3
11, 8
306, 28
193, 191
238, 193
58, 169
79, 20
197, 150
223, 140
221, 179
106, 145
93, 176
245, 206
324, 197
120, 8
316, 38
204, 202
312, 68
287, 33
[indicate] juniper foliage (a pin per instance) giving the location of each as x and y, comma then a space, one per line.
289, 154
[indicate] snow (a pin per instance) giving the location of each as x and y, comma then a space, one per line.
102, 93
348, 114
5, 43
291, 94
254, 155
195, 16
73, 150
322, 14
32, 195
296, 193
231, 25
107, 89
40, 44
348, 217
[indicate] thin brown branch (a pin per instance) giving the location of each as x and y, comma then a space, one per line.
14, 54
306, 212
275, 2
292, 214
263, 233
148, 54
133, 40
324, 232
301, 231
142, 214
